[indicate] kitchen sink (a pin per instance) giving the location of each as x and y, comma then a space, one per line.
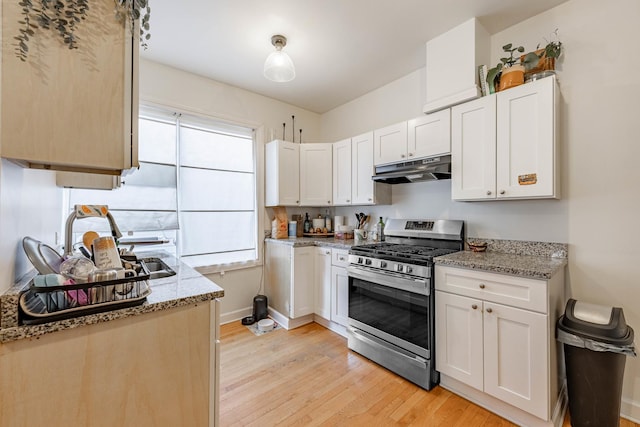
158, 268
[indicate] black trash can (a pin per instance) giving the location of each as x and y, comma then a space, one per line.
596, 341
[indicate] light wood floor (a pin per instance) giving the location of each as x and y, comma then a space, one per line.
308, 377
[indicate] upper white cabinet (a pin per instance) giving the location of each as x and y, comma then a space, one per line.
425, 136
390, 144
503, 146
452, 62
282, 173
342, 172
352, 172
298, 174
71, 109
316, 174
429, 135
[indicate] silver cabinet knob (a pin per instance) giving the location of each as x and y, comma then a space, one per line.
489, 193
489, 310
481, 285
371, 200
328, 252
297, 202
341, 258
328, 202
402, 156
502, 191
474, 306
348, 200
410, 154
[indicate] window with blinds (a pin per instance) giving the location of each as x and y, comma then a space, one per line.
195, 189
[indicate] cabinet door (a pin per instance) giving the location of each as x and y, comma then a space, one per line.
390, 144
302, 289
429, 135
339, 295
282, 172
459, 338
71, 109
516, 368
362, 186
526, 148
342, 172
473, 150
316, 174
322, 281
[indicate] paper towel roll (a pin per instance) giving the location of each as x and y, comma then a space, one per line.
338, 220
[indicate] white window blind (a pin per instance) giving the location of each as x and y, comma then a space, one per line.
196, 187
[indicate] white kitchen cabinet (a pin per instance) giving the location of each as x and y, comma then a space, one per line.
322, 281
424, 136
71, 110
289, 283
429, 135
340, 287
496, 334
504, 145
282, 173
316, 174
342, 175
352, 172
390, 144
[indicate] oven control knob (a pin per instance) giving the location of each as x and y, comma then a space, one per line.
399, 267
383, 264
367, 261
409, 269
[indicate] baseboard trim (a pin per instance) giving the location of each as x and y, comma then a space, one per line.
503, 409
332, 326
235, 315
288, 323
630, 410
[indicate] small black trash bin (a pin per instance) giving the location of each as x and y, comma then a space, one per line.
596, 342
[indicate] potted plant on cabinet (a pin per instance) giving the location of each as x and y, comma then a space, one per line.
543, 60
506, 72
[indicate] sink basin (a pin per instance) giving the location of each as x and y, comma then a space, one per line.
158, 268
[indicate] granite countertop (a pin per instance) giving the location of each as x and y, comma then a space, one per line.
534, 260
186, 287
317, 241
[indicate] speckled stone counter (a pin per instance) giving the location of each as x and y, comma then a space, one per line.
316, 241
535, 260
186, 287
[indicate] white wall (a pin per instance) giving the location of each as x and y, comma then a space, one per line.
168, 86
598, 213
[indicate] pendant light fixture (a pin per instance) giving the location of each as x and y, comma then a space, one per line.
278, 67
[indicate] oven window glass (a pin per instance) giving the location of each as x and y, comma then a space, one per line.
399, 313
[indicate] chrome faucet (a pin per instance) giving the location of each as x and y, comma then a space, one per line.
68, 246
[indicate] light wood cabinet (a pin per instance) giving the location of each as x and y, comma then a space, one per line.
71, 110
121, 372
352, 172
282, 173
495, 333
504, 145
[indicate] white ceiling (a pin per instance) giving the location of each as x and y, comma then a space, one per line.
341, 49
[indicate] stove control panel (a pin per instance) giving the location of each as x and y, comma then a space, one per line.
392, 267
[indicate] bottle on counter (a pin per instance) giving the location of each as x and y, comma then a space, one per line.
307, 223
380, 230
327, 221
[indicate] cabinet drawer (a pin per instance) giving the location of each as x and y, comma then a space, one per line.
339, 257
519, 292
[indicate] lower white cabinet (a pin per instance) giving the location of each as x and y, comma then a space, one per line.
289, 283
494, 335
322, 281
339, 287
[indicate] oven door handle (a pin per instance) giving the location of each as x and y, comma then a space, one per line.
391, 280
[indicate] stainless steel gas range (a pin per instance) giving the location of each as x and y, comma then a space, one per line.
391, 296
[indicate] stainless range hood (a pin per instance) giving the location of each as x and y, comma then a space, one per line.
427, 169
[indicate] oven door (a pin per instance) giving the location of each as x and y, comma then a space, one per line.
396, 308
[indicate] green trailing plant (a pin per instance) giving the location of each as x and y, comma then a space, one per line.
63, 16
553, 49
